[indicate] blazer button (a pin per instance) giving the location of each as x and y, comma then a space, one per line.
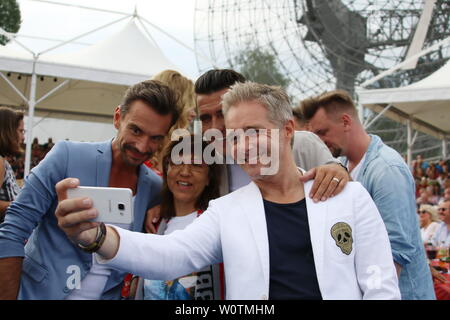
264, 297
66, 290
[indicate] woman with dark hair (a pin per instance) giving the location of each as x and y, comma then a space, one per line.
12, 135
188, 186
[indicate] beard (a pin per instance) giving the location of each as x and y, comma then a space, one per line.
336, 152
126, 158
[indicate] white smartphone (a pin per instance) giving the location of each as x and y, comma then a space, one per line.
114, 205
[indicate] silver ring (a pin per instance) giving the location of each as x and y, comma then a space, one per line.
336, 179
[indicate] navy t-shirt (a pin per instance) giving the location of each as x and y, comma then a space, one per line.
292, 270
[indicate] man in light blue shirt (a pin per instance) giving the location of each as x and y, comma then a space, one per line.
385, 175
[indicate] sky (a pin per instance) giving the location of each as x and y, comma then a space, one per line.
45, 20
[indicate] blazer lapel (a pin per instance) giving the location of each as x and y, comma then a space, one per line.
141, 200
253, 207
317, 215
103, 162
224, 188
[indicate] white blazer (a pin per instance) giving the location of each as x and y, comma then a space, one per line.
233, 230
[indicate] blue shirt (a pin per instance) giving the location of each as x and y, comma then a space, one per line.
292, 270
389, 182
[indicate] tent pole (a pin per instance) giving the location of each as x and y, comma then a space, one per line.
31, 104
52, 91
12, 37
81, 7
360, 112
409, 142
178, 41
378, 116
13, 87
148, 33
83, 35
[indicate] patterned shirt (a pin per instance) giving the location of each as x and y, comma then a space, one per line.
9, 189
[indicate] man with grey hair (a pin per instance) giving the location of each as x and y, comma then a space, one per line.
310, 153
297, 248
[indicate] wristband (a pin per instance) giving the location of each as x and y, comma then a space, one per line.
339, 163
98, 242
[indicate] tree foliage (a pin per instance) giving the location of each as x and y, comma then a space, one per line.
260, 66
9, 18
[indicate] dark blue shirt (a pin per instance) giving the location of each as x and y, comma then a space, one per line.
292, 270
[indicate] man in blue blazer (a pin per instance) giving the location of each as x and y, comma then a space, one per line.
49, 266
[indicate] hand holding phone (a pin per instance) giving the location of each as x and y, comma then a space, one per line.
114, 205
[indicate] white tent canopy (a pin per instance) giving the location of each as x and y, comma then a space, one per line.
83, 85
425, 103
97, 75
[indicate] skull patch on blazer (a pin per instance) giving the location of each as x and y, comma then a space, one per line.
342, 235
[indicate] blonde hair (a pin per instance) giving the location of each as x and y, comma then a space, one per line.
431, 210
333, 102
184, 89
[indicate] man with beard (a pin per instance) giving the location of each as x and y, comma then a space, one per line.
50, 266
382, 171
310, 153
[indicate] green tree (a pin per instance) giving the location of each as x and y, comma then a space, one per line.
9, 18
260, 66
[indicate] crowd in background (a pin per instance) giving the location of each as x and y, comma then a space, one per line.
432, 187
432, 183
38, 152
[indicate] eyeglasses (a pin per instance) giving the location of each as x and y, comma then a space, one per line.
194, 167
422, 211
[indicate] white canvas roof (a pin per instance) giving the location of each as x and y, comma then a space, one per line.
84, 85
97, 76
427, 102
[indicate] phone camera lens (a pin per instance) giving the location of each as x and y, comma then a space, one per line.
121, 206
